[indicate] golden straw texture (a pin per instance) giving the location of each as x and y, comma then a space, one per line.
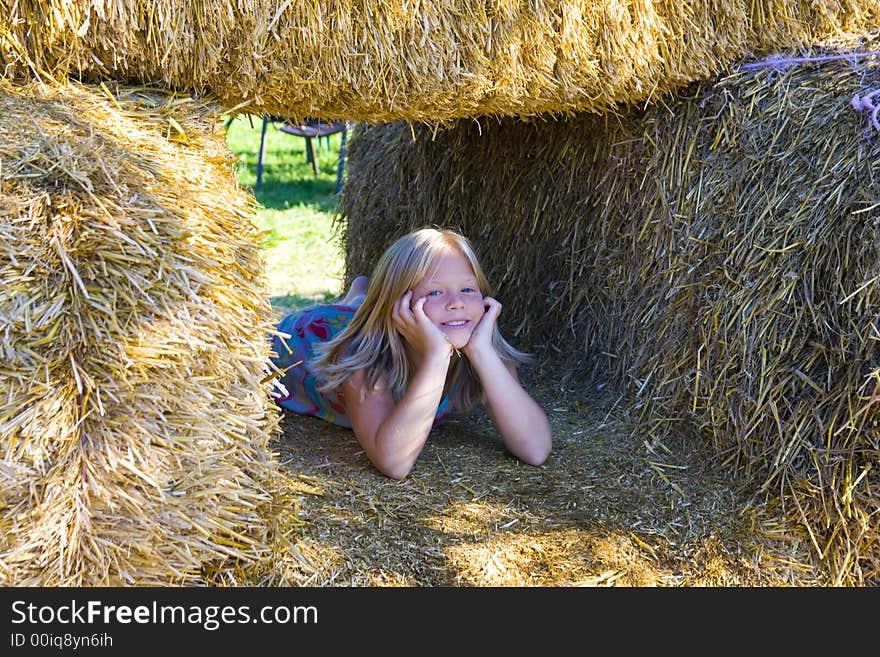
134, 420
412, 59
714, 256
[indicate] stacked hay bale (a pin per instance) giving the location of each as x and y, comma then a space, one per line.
714, 255
134, 420
420, 61
135, 434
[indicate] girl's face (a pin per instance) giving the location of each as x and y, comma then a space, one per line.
453, 300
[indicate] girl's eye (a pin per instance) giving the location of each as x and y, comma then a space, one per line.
468, 290
433, 293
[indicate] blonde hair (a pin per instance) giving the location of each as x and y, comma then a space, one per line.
371, 342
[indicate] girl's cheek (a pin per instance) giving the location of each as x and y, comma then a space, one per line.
430, 308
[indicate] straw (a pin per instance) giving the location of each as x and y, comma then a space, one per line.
428, 62
134, 427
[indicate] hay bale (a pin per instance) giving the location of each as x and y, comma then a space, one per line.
418, 61
134, 423
714, 256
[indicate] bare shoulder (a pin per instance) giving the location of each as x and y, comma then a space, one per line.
367, 407
356, 384
365, 402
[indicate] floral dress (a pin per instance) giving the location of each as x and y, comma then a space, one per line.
292, 355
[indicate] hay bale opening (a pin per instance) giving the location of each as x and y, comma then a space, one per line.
134, 418
715, 256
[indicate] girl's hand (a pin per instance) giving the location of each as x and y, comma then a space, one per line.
420, 333
481, 338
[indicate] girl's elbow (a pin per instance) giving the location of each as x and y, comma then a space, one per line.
536, 455
537, 450
395, 473
393, 469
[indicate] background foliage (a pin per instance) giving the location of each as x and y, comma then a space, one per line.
304, 259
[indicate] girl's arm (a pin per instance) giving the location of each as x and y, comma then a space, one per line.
393, 435
522, 423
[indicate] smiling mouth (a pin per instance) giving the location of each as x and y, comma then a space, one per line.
456, 324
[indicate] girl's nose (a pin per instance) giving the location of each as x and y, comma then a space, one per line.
454, 301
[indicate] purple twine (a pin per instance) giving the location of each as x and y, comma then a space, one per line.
866, 104
859, 103
779, 62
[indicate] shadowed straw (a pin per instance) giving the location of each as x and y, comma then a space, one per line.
134, 426
418, 61
715, 256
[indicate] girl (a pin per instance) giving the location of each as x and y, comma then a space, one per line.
404, 349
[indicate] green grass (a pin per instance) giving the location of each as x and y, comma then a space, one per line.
304, 259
